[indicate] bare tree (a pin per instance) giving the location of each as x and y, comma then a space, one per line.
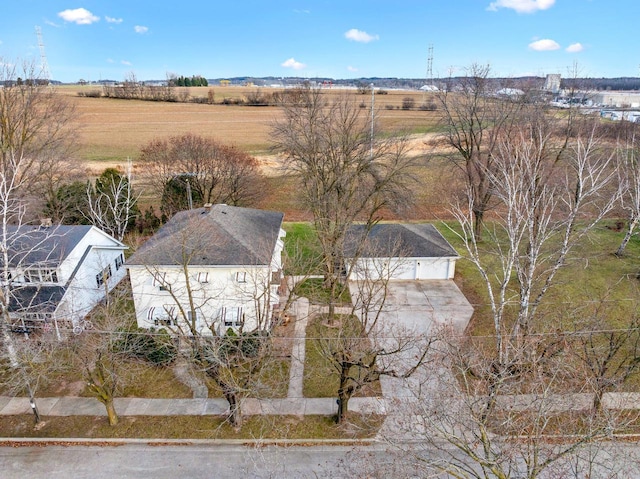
609, 356
362, 346
474, 422
34, 123
112, 203
476, 121
536, 226
347, 173
212, 172
629, 178
496, 406
38, 360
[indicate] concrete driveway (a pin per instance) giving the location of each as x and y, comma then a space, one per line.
416, 308
421, 305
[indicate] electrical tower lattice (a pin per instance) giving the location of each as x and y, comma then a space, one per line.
44, 65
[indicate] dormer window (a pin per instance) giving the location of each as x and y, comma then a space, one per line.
40, 275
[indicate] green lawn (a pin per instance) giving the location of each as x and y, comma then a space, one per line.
321, 378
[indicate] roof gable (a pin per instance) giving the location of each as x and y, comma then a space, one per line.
221, 235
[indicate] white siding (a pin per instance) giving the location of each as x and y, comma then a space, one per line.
95, 252
212, 289
404, 268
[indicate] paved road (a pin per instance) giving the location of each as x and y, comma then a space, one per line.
159, 462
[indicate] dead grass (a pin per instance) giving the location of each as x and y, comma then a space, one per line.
192, 427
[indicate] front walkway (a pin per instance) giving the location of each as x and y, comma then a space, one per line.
80, 406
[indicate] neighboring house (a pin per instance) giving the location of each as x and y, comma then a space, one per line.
399, 252
57, 274
210, 269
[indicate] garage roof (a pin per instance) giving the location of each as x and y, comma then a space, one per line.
391, 240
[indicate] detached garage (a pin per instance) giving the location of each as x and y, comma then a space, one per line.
399, 252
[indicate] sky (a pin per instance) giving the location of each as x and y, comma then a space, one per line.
96, 40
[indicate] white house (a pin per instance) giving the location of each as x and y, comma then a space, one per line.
210, 269
399, 252
57, 274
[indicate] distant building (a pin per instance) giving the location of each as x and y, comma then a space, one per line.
552, 83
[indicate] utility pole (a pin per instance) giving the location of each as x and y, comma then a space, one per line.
373, 101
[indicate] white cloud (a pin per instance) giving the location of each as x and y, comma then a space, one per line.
292, 63
112, 20
125, 62
521, 6
110, 60
140, 29
80, 16
306, 12
360, 36
352, 69
544, 45
575, 48
51, 24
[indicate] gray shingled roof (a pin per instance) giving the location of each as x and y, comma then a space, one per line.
390, 240
42, 246
41, 299
226, 235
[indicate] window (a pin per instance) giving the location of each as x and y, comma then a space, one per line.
241, 276
160, 281
165, 316
276, 277
232, 317
203, 277
119, 261
40, 275
103, 276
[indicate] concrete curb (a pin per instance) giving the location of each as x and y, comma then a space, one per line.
114, 442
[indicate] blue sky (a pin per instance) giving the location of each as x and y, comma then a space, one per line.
96, 40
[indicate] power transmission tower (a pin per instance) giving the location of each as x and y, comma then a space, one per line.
44, 65
430, 65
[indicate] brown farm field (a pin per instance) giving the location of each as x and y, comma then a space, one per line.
110, 130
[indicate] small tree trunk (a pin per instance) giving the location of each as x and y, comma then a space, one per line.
343, 406
345, 391
235, 414
627, 237
597, 399
111, 412
478, 225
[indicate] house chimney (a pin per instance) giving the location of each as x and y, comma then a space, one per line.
207, 207
46, 223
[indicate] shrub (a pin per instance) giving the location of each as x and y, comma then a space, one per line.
408, 103
90, 93
153, 345
428, 106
